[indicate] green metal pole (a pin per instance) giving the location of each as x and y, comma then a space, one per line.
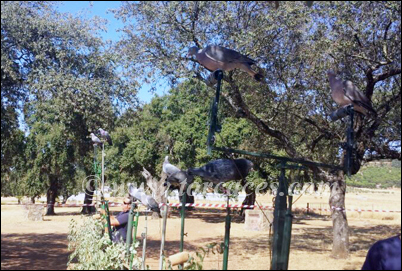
214, 126
137, 215
183, 216
279, 221
129, 236
287, 234
227, 237
280, 158
106, 208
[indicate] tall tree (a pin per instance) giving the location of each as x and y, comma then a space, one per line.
295, 45
69, 79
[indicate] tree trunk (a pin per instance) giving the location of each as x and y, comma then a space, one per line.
51, 199
89, 194
340, 247
249, 200
66, 195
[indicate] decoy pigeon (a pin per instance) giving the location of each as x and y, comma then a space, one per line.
345, 93
145, 199
176, 179
223, 170
168, 168
95, 139
214, 57
105, 135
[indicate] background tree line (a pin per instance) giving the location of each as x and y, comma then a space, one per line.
66, 82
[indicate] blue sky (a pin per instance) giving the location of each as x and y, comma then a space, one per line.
90, 9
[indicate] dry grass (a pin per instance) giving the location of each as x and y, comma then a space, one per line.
43, 244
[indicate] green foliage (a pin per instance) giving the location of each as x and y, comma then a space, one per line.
370, 177
396, 163
93, 250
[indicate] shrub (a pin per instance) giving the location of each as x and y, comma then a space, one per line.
93, 250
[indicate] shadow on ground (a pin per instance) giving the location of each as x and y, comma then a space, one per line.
34, 251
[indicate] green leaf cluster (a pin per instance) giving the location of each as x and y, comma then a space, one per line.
93, 250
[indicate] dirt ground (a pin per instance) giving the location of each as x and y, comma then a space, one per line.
43, 244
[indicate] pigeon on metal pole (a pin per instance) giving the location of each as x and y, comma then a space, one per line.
145, 199
177, 179
345, 93
168, 168
95, 139
105, 135
218, 171
223, 170
214, 57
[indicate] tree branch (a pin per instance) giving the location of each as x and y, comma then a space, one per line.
386, 75
236, 101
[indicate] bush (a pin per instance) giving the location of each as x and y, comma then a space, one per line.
93, 249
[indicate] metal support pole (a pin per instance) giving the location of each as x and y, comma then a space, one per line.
278, 261
214, 127
163, 237
129, 236
183, 216
137, 215
105, 205
350, 142
144, 243
97, 174
103, 168
287, 233
227, 237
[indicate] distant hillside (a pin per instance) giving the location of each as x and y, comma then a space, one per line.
381, 174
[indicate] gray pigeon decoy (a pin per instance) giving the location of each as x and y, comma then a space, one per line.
214, 57
145, 199
345, 93
105, 135
176, 179
168, 168
223, 170
95, 139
